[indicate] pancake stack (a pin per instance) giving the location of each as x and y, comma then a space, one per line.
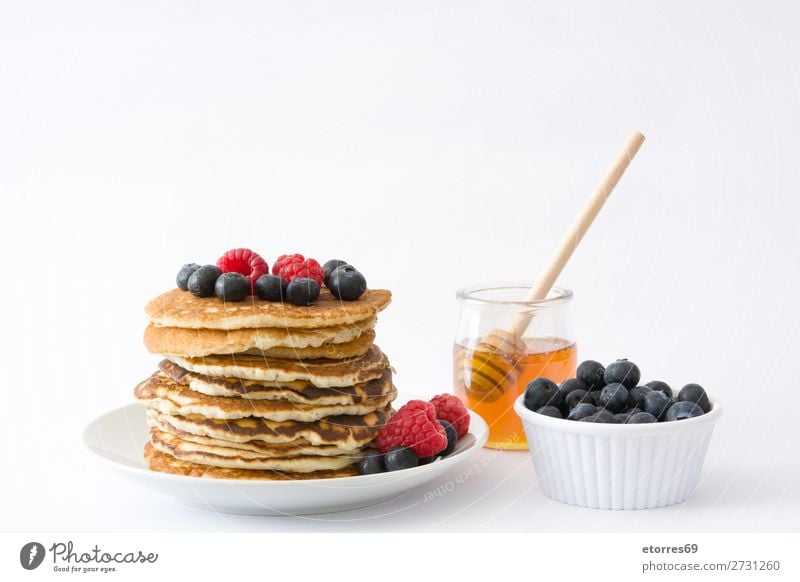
264, 390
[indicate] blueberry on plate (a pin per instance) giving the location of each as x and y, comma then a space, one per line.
182, 280
270, 288
302, 291
574, 398
636, 396
399, 458
347, 283
656, 403
622, 372
591, 373
330, 266
697, 394
683, 410
201, 282
660, 386
550, 411
232, 287
642, 418
582, 411
452, 437
542, 392
613, 397
371, 463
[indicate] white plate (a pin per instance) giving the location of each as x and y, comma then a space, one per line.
118, 438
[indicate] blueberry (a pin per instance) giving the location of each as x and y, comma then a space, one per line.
371, 463
593, 397
183, 275
641, 418
697, 394
425, 461
346, 283
636, 396
591, 373
232, 287
566, 388
622, 372
330, 266
601, 416
550, 411
571, 385
581, 411
613, 397
542, 392
271, 288
576, 397
400, 458
201, 282
683, 410
302, 291
452, 438
660, 386
606, 416
623, 417
656, 403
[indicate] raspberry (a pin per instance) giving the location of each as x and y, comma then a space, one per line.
284, 260
450, 408
414, 426
243, 261
293, 266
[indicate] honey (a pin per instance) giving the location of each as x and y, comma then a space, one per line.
489, 381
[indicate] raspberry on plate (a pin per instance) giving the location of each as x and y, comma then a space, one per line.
245, 262
414, 426
293, 266
450, 408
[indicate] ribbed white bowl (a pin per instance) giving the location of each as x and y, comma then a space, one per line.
614, 466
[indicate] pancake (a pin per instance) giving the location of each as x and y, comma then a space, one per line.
178, 308
229, 458
270, 341
298, 391
164, 463
353, 349
321, 373
291, 449
165, 395
346, 432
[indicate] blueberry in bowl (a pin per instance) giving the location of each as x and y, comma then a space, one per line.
542, 392
697, 394
582, 411
683, 410
614, 397
622, 372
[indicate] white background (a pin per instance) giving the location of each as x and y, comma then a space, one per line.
434, 145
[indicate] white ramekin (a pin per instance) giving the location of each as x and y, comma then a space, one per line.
615, 466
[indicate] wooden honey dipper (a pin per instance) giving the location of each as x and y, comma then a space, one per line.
485, 377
